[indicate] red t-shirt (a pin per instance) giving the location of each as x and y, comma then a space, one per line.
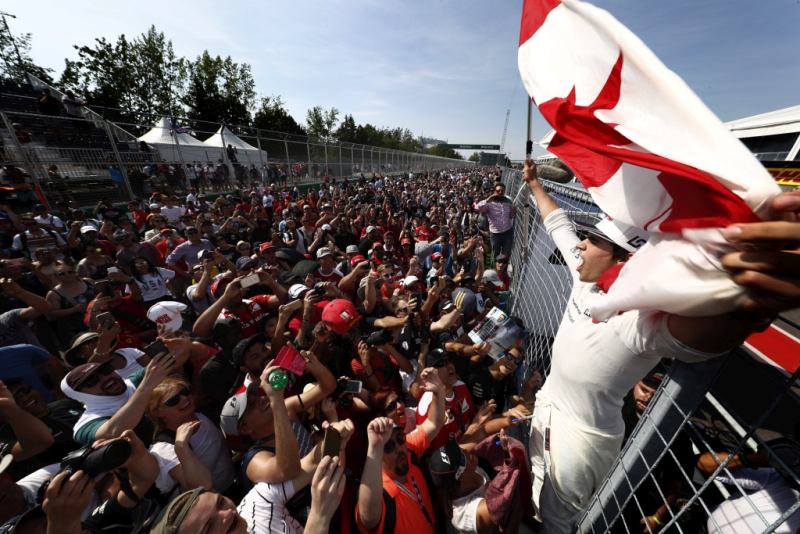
460, 411
423, 233
250, 314
384, 367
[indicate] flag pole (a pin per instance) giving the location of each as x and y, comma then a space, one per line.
528, 145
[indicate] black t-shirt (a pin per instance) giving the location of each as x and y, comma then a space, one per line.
484, 387
217, 378
60, 420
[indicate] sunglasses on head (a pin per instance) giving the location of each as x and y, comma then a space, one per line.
397, 439
104, 369
173, 400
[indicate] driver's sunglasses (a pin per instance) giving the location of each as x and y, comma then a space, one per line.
175, 399
397, 439
104, 369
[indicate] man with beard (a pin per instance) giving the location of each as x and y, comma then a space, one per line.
393, 495
112, 404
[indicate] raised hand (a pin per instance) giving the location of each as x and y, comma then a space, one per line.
379, 431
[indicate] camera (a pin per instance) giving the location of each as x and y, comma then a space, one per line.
319, 291
95, 462
207, 255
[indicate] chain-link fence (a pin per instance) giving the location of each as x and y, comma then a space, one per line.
65, 151
716, 448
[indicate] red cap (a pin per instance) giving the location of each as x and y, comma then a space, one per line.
377, 244
436, 256
219, 285
340, 316
405, 241
355, 260
266, 246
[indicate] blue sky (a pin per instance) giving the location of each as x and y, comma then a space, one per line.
444, 68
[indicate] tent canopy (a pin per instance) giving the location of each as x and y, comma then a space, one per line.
163, 134
225, 137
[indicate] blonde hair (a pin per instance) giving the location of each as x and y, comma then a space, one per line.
157, 397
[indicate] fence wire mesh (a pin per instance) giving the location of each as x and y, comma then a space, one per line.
716, 448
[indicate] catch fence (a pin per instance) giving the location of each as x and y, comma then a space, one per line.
683, 460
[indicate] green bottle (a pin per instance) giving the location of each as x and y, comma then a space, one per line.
278, 379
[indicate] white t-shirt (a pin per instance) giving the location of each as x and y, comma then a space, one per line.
153, 286
172, 214
199, 306
131, 356
208, 445
264, 509
51, 220
465, 509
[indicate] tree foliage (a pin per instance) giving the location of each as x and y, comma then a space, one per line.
10, 65
476, 157
219, 90
320, 123
272, 115
444, 152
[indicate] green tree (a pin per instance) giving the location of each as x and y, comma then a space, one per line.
219, 90
443, 151
347, 130
272, 115
10, 66
320, 123
476, 157
160, 73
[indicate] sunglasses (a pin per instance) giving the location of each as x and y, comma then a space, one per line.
397, 439
173, 400
94, 379
404, 309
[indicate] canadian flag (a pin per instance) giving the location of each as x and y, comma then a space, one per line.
647, 149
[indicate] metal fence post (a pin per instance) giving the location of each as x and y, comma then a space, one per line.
288, 159
308, 151
122, 169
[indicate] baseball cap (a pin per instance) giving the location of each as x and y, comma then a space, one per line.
465, 300
351, 249
218, 286
232, 412
245, 262
490, 275
241, 348
155, 206
88, 228
436, 358
119, 234
340, 316
327, 227
38, 207
409, 281
623, 235
436, 256
266, 246
405, 241
355, 260
297, 291
446, 465
77, 342
324, 251
81, 373
167, 314
371, 229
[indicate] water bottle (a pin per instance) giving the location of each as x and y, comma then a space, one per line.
278, 379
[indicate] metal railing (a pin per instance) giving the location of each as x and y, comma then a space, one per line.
747, 403
83, 157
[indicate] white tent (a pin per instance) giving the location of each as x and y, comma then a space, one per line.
246, 153
179, 147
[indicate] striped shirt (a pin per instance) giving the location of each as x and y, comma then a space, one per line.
264, 509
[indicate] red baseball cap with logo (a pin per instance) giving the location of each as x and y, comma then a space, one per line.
340, 316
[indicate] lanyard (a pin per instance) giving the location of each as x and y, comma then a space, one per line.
417, 497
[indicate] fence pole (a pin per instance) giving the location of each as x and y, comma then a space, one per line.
288, 160
122, 169
260, 155
26, 158
308, 151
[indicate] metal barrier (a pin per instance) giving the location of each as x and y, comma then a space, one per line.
683, 459
83, 157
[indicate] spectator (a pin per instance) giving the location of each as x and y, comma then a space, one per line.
500, 211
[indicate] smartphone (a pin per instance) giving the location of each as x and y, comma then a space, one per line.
250, 280
352, 387
331, 443
207, 255
289, 358
156, 349
114, 270
106, 319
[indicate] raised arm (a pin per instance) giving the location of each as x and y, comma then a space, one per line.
544, 201
370, 491
36, 304
33, 436
431, 382
326, 384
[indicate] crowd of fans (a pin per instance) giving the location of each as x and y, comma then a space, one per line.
269, 361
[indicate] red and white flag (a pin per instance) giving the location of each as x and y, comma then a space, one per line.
646, 148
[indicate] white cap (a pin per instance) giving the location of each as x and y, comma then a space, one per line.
352, 249
155, 206
326, 227
167, 314
370, 229
490, 275
628, 237
88, 228
296, 291
410, 280
324, 251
